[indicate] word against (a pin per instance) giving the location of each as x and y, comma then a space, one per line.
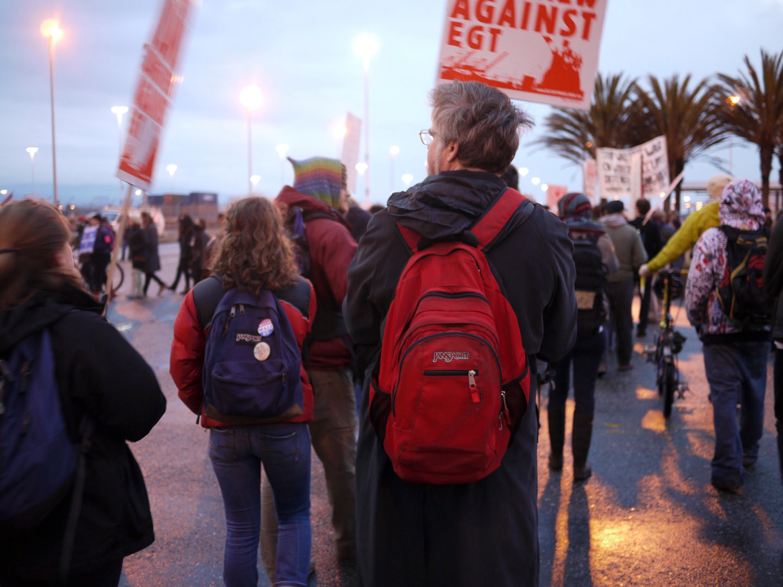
569, 18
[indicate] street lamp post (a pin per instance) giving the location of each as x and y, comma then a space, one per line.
733, 102
366, 46
51, 30
32, 152
251, 99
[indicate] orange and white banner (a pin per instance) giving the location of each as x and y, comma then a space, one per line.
535, 50
153, 94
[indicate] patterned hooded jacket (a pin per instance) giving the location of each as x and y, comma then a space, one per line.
741, 208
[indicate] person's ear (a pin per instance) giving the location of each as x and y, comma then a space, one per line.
451, 151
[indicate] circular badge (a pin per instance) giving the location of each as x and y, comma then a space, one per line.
261, 351
265, 327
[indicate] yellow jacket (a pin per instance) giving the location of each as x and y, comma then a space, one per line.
684, 239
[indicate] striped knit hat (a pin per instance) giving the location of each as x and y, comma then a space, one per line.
321, 178
574, 205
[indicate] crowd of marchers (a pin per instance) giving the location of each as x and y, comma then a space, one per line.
405, 347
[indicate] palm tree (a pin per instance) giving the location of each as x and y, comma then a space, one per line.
685, 115
753, 108
610, 122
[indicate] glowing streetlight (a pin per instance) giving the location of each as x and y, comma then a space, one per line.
254, 179
523, 171
138, 193
50, 29
251, 98
366, 46
171, 169
361, 168
394, 150
32, 152
407, 179
544, 187
535, 180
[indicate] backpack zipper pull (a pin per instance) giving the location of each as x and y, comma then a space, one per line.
474, 394
503, 409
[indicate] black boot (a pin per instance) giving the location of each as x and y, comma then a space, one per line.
556, 419
580, 445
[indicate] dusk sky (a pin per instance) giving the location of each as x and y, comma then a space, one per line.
300, 53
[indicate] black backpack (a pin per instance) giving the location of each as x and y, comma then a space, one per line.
590, 281
741, 289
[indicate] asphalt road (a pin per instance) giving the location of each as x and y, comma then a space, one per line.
648, 516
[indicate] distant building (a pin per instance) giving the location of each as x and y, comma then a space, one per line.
199, 205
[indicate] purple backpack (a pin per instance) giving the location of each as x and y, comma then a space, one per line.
252, 361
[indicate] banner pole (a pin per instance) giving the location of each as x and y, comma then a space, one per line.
117, 248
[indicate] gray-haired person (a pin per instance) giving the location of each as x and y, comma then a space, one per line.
484, 532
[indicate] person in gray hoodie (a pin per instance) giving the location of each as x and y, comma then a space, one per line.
631, 255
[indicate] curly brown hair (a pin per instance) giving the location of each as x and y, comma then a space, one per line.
255, 253
33, 233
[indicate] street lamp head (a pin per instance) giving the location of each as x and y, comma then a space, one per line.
734, 100
171, 168
50, 29
535, 180
251, 97
366, 46
361, 167
254, 179
32, 152
544, 187
407, 179
523, 171
394, 150
119, 110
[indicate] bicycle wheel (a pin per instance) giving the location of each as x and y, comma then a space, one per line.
666, 387
117, 279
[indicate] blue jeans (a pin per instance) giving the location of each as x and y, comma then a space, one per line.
586, 355
737, 374
237, 455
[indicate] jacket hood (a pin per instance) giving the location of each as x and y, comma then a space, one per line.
614, 220
741, 207
582, 224
41, 310
446, 204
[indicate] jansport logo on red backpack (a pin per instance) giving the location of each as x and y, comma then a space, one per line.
453, 377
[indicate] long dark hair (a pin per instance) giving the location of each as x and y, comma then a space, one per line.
255, 253
33, 236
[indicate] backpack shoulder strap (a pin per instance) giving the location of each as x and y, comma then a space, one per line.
490, 225
206, 297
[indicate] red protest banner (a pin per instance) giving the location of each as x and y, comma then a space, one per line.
536, 50
153, 94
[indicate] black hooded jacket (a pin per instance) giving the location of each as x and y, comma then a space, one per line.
773, 277
483, 533
99, 375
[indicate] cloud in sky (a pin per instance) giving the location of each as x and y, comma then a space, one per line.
301, 55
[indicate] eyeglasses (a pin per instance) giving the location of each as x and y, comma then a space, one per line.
426, 137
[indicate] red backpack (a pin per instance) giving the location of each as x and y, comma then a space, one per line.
453, 377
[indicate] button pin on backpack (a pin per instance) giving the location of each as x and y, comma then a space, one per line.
265, 327
261, 351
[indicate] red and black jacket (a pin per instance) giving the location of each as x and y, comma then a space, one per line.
190, 337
